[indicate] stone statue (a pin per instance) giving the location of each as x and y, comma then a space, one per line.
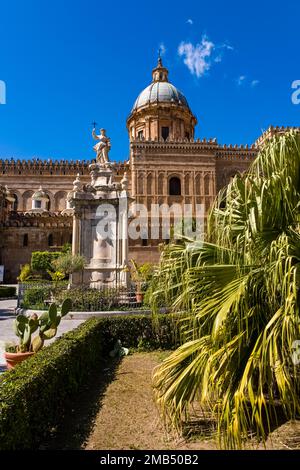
102, 147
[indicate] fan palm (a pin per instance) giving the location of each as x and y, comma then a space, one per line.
238, 291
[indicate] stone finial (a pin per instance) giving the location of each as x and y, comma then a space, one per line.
124, 182
77, 185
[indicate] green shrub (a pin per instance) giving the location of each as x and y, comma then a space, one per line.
7, 291
68, 263
42, 260
34, 396
88, 299
35, 297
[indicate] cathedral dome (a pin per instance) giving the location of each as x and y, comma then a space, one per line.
161, 112
160, 91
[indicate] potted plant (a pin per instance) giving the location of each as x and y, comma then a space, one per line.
24, 327
140, 275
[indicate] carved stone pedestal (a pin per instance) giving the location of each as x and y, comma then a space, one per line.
100, 228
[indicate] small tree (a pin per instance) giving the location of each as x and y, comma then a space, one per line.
68, 264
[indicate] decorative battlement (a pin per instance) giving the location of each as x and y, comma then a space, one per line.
237, 153
275, 130
49, 167
46, 219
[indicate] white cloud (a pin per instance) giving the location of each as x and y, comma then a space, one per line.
197, 58
162, 48
254, 83
218, 59
228, 47
241, 80
190, 21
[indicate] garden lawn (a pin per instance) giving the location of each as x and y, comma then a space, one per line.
116, 411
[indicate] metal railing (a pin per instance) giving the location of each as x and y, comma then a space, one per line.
39, 295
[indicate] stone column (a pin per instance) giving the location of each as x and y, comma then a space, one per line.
202, 185
76, 233
193, 190
75, 278
182, 130
165, 186
134, 181
212, 185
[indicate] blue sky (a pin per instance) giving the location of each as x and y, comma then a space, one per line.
68, 63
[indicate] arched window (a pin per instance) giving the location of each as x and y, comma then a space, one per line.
50, 240
175, 186
165, 132
206, 184
25, 239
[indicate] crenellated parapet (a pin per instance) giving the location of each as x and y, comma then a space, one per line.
48, 167
237, 152
274, 130
43, 167
43, 220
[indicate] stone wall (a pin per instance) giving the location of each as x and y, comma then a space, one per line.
20, 235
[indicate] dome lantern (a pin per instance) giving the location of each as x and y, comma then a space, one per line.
160, 73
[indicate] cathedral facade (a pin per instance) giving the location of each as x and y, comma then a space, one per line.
167, 164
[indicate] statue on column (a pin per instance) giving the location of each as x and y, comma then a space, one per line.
102, 147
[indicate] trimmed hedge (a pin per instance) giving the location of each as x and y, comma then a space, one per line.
34, 395
35, 297
7, 291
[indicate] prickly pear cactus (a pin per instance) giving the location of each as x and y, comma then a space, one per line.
24, 327
47, 323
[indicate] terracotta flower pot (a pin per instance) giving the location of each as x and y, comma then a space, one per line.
13, 359
139, 297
